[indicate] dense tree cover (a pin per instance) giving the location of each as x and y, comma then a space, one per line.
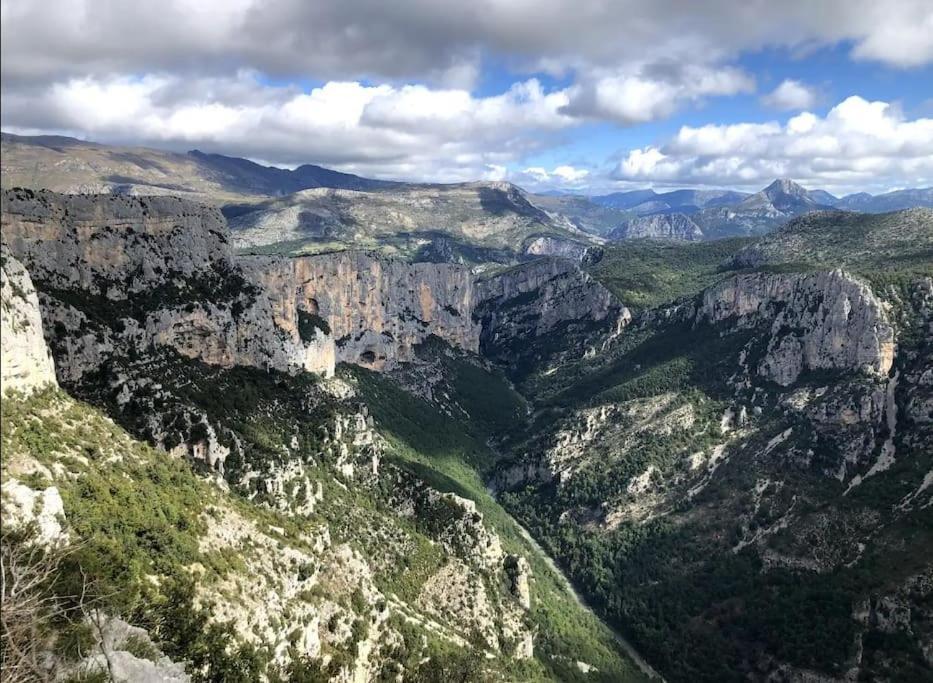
647, 272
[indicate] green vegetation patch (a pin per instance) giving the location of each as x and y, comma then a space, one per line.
644, 273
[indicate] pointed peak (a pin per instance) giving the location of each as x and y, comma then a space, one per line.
786, 186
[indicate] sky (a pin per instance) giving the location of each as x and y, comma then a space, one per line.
579, 95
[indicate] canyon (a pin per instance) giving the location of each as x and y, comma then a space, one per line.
331, 421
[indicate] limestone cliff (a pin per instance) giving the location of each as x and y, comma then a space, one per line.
26, 362
675, 226
124, 274
541, 298
377, 309
547, 245
819, 321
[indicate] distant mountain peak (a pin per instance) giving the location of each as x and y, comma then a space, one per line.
785, 186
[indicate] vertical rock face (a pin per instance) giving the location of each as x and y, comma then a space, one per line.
540, 298
120, 275
113, 245
819, 321
123, 274
676, 226
26, 363
376, 309
546, 245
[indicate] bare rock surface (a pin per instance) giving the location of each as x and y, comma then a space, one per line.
819, 321
26, 363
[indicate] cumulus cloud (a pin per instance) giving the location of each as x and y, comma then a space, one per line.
652, 93
396, 81
791, 94
564, 176
857, 144
408, 131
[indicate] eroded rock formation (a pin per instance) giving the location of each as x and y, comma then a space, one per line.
119, 273
376, 309
819, 321
26, 362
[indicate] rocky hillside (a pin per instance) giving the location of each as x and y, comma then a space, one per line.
902, 240
232, 515
744, 469
483, 221
676, 226
68, 165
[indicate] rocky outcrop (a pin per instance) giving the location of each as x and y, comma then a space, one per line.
675, 226
125, 274
544, 297
818, 321
26, 362
376, 309
545, 245
123, 652
519, 573
23, 506
557, 289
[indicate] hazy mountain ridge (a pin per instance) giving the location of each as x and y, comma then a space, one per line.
312, 209
69, 165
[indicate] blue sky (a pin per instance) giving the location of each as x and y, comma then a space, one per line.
588, 95
828, 70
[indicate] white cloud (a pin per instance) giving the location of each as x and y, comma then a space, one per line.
791, 94
858, 144
398, 96
409, 131
539, 178
652, 94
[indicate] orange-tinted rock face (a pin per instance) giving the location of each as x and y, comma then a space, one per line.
377, 309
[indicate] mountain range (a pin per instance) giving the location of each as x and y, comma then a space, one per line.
312, 209
689, 201
362, 431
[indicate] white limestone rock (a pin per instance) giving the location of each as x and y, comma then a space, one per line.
25, 362
818, 321
22, 505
